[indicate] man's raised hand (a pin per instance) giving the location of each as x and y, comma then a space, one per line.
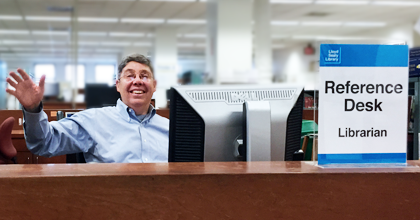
26, 91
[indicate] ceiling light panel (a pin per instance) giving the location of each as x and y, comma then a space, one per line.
364, 24
99, 50
343, 2
88, 43
92, 33
194, 35
285, 23
396, 3
94, 19
143, 20
321, 23
291, 1
47, 42
142, 44
45, 18
185, 44
126, 34
19, 32
115, 43
168, 0
11, 17
186, 21
17, 42
55, 33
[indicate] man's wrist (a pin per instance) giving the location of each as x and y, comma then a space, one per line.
35, 109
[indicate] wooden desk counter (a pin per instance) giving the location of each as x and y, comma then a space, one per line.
257, 190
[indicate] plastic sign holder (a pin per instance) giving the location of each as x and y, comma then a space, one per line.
363, 104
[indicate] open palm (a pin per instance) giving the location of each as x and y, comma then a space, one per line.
26, 91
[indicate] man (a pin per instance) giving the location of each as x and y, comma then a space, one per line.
129, 132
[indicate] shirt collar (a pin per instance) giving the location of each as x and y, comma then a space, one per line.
124, 110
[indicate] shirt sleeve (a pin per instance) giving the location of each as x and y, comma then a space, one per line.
55, 138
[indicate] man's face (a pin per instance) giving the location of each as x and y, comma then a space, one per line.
136, 86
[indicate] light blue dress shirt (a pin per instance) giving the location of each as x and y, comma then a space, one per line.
109, 135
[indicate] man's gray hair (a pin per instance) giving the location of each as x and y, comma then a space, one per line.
136, 58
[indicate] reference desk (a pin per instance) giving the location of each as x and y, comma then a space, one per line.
211, 190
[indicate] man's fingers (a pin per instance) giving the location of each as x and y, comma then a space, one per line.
11, 92
11, 82
42, 83
24, 75
16, 77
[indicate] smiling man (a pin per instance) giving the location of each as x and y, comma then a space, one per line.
130, 132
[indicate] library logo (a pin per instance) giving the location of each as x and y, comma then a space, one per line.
333, 56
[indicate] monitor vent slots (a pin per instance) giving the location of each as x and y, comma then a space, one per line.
188, 138
238, 97
294, 127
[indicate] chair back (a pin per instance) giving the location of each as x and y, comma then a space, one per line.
7, 150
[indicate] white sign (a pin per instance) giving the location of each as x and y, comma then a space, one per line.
363, 104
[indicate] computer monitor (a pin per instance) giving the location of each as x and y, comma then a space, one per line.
100, 95
206, 122
51, 90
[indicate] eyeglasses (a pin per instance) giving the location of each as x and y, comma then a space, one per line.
131, 77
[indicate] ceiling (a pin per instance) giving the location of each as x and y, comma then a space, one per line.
43, 28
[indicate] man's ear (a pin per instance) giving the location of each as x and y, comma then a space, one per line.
154, 85
117, 83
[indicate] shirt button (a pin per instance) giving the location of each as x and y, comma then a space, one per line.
144, 140
145, 159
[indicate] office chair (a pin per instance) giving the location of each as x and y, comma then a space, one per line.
7, 150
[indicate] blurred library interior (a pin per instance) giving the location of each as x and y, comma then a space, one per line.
78, 44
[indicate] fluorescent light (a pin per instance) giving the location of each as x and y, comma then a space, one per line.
139, 44
143, 20
44, 18
344, 2
92, 33
13, 42
397, 3
194, 35
10, 17
186, 21
364, 24
23, 49
126, 34
322, 23
185, 44
116, 43
291, 1
88, 43
316, 37
56, 33
53, 50
93, 19
107, 50
150, 35
24, 32
168, 0
46, 42
285, 23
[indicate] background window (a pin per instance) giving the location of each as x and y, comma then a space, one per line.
105, 74
80, 75
45, 69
